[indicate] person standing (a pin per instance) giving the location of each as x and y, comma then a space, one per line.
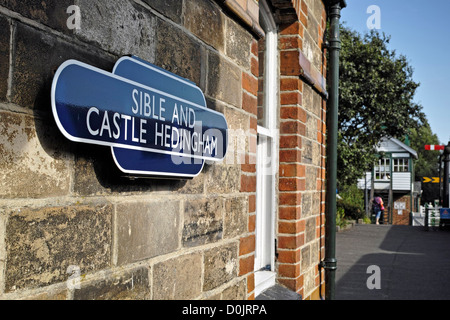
378, 208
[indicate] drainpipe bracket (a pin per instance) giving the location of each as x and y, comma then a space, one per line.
328, 264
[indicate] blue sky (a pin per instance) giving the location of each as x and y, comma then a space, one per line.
419, 30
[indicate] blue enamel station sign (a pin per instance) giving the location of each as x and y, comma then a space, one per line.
155, 122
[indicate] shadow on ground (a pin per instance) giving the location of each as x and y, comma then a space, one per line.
414, 263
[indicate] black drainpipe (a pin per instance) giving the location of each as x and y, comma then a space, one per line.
330, 262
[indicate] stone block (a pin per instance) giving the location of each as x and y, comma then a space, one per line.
220, 265
310, 229
178, 278
48, 293
238, 42
236, 217
223, 80
310, 204
170, 8
116, 285
3, 219
120, 27
37, 56
181, 54
5, 34
311, 181
33, 161
204, 19
239, 135
202, 221
309, 283
311, 127
312, 101
236, 291
146, 229
222, 179
42, 243
311, 152
52, 13
305, 257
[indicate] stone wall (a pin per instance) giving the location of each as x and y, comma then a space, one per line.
73, 227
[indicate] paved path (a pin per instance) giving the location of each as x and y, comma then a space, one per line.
413, 263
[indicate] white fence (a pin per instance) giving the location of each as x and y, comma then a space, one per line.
418, 218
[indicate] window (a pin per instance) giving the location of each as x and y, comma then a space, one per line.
401, 165
267, 150
383, 170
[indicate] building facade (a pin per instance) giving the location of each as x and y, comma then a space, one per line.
73, 226
393, 180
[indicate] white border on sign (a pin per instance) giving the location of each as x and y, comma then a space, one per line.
120, 145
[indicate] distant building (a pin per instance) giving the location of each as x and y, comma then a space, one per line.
393, 180
73, 226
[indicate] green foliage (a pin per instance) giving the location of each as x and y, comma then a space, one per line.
376, 100
340, 218
351, 202
427, 164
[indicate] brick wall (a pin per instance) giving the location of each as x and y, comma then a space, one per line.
402, 216
72, 227
302, 149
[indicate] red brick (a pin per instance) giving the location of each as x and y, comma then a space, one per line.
293, 97
292, 155
294, 42
289, 256
293, 284
291, 184
246, 265
251, 223
292, 170
292, 227
248, 183
246, 245
291, 242
304, 19
253, 123
290, 63
291, 141
251, 203
250, 168
249, 103
293, 112
254, 48
289, 270
255, 67
290, 84
250, 83
304, 7
289, 213
293, 127
291, 29
251, 282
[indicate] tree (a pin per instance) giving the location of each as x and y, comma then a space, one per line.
376, 100
427, 164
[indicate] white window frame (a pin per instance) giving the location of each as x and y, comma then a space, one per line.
267, 145
383, 169
400, 163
